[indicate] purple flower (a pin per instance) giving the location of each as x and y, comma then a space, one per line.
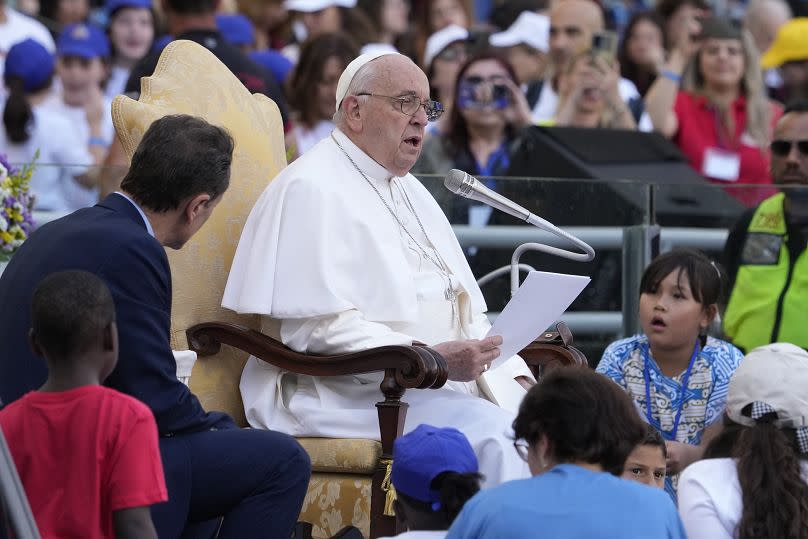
4, 161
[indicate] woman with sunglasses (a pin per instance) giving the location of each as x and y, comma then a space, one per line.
766, 254
710, 99
484, 125
575, 429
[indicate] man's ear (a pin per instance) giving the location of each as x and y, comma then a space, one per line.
195, 206
109, 338
352, 113
32, 342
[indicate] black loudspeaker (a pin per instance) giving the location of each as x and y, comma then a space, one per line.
618, 161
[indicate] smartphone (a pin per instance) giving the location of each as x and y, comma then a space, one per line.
605, 43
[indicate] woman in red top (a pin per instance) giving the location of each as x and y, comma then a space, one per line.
721, 118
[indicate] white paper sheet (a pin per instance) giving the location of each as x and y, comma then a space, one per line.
539, 302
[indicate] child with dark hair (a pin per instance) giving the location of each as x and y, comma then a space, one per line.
758, 487
676, 375
574, 429
434, 474
30, 126
87, 455
646, 463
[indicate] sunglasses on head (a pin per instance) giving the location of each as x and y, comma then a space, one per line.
782, 148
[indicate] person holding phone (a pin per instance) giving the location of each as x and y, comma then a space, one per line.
484, 128
590, 94
710, 99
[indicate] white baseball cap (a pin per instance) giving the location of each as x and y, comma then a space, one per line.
309, 6
529, 28
775, 375
350, 72
442, 39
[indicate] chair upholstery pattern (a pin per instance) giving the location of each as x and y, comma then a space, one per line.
189, 79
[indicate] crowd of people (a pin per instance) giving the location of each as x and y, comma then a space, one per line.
712, 78
676, 433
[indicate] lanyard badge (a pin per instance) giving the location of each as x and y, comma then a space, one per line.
648, 406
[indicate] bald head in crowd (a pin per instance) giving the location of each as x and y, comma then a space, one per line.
572, 24
763, 18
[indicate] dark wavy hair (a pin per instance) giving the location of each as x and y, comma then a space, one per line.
458, 135
585, 416
179, 156
629, 69
17, 113
773, 492
302, 85
454, 490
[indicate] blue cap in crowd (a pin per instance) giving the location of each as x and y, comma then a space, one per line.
83, 40
279, 65
161, 42
236, 28
30, 61
425, 453
114, 5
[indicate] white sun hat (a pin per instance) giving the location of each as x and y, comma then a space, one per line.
309, 6
529, 28
442, 39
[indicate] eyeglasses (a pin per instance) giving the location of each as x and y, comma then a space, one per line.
782, 148
522, 448
410, 104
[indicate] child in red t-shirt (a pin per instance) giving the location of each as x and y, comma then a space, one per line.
87, 455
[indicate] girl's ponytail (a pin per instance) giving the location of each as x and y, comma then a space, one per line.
17, 115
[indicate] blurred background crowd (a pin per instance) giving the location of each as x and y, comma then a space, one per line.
709, 75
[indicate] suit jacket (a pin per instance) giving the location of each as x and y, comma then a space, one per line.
111, 241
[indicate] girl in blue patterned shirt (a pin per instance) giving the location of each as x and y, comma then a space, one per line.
676, 375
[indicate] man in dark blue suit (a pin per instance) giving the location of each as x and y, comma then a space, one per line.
255, 479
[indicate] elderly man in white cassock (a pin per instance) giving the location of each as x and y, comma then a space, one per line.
345, 251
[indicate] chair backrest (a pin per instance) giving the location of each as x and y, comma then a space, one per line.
14, 508
189, 79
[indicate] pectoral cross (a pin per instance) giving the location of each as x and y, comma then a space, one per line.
450, 296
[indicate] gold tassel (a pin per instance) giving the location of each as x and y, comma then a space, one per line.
387, 487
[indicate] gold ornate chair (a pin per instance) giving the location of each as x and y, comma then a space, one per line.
347, 475
350, 479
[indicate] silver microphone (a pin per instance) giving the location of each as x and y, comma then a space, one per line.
468, 186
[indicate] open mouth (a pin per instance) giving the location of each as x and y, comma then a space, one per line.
591, 93
658, 323
413, 142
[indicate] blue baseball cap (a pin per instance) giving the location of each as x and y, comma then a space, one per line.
423, 454
236, 28
30, 61
279, 65
83, 40
114, 5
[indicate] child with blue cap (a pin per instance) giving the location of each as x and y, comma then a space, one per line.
83, 54
434, 473
30, 126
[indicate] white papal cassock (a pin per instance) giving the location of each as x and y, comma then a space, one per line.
333, 271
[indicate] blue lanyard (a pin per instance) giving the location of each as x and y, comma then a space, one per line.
648, 406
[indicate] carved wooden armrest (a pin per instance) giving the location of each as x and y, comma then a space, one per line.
408, 367
553, 347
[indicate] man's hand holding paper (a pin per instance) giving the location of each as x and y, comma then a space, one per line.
540, 301
467, 360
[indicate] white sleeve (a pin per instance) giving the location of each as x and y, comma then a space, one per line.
340, 333
698, 511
